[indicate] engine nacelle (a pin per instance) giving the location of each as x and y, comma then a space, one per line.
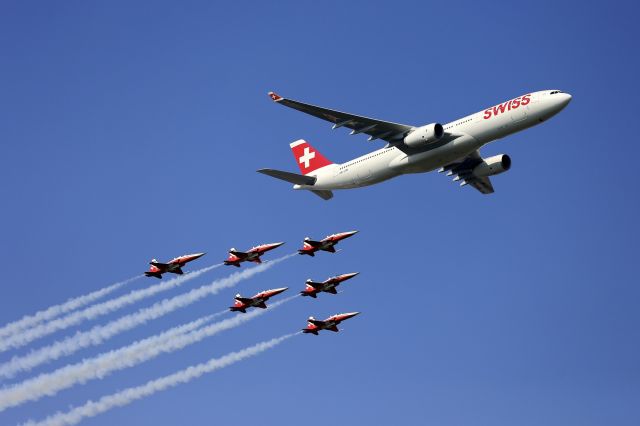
493, 166
424, 135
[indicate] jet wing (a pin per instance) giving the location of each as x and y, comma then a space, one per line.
463, 171
239, 254
376, 129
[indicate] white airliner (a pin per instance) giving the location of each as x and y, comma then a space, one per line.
453, 147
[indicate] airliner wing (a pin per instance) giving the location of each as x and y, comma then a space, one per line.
482, 184
463, 171
376, 129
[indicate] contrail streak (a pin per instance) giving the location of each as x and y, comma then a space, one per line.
129, 395
94, 368
119, 359
57, 310
100, 333
27, 336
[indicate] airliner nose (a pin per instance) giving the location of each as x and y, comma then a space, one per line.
565, 98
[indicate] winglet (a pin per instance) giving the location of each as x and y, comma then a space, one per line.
275, 96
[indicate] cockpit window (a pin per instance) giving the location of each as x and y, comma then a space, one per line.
553, 92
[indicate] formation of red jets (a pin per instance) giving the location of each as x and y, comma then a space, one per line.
312, 288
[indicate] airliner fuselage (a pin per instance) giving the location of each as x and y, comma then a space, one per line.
453, 146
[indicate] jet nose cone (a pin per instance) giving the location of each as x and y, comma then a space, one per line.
563, 99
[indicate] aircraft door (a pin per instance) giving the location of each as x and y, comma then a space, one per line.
364, 173
519, 114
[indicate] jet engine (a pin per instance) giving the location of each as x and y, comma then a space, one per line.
424, 135
492, 166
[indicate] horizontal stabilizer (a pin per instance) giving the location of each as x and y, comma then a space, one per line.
325, 195
289, 177
153, 274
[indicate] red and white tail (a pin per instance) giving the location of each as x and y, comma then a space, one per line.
308, 158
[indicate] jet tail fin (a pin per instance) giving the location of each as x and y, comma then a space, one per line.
307, 157
289, 177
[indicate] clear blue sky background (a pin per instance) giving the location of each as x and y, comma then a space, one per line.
131, 131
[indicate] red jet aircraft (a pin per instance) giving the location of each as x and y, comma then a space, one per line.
328, 286
330, 323
310, 246
253, 255
258, 301
174, 266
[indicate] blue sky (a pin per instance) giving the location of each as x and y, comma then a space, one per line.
134, 131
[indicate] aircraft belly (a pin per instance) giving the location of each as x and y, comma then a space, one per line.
434, 158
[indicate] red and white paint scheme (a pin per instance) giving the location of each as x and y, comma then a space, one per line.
310, 247
173, 266
253, 255
452, 147
329, 285
258, 301
331, 323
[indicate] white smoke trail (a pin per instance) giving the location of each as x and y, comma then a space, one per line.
100, 333
94, 368
27, 336
129, 395
57, 310
49, 384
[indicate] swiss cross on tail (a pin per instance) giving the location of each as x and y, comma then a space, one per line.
307, 157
